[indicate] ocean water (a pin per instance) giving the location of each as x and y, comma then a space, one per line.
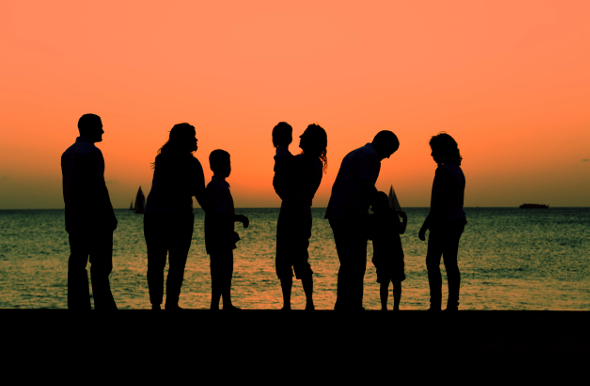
510, 259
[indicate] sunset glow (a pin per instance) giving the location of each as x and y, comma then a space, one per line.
508, 80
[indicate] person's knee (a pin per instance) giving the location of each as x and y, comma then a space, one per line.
432, 262
77, 263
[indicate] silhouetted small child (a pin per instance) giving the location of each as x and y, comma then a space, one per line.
388, 255
220, 238
282, 136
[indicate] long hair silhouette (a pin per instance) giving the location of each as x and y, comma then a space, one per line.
317, 143
446, 149
180, 145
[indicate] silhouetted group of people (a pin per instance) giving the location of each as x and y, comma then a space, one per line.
169, 219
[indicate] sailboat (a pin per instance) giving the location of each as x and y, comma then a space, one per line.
131, 206
139, 201
393, 202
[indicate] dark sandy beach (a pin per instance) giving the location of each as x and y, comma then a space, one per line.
551, 332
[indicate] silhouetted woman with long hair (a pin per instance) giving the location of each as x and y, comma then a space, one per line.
304, 175
446, 221
169, 218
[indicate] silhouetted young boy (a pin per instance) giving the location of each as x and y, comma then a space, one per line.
220, 238
388, 255
282, 136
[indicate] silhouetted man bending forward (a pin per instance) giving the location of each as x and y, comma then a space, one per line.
90, 219
352, 194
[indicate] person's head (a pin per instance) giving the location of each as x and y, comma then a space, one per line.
385, 144
314, 142
90, 127
182, 142
220, 163
381, 202
282, 134
445, 149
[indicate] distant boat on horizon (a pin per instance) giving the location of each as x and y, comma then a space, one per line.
534, 206
139, 206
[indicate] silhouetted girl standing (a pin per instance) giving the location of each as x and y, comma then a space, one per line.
169, 218
446, 220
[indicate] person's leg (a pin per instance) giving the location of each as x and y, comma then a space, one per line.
343, 287
180, 242
397, 294
433, 255
359, 238
383, 294
228, 271
101, 266
351, 245
450, 251
286, 287
283, 261
301, 264
155, 232
215, 281
78, 292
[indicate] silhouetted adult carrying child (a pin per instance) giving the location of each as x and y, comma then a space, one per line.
282, 136
446, 220
388, 254
300, 177
220, 238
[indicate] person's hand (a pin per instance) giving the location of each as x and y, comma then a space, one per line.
245, 221
402, 214
422, 234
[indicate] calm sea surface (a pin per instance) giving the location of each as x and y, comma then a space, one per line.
510, 259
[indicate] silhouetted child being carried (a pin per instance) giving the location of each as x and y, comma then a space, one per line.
282, 136
220, 238
388, 256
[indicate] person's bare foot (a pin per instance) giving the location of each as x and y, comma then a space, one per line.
231, 307
174, 308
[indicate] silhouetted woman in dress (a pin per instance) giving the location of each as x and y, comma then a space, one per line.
169, 218
446, 221
304, 175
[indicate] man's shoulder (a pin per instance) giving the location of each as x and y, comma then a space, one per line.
362, 151
80, 148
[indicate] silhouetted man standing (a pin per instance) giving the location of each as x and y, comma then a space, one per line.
90, 219
352, 194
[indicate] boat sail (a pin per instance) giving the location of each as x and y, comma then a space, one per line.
139, 201
131, 206
393, 202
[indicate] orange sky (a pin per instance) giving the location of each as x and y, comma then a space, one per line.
508, 79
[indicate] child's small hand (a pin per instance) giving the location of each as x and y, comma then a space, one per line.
245, 221
422, 234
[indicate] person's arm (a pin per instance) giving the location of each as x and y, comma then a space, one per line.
403, 224
439, 199
243, 219
368, 192
369, 166
198, 186
101, 187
